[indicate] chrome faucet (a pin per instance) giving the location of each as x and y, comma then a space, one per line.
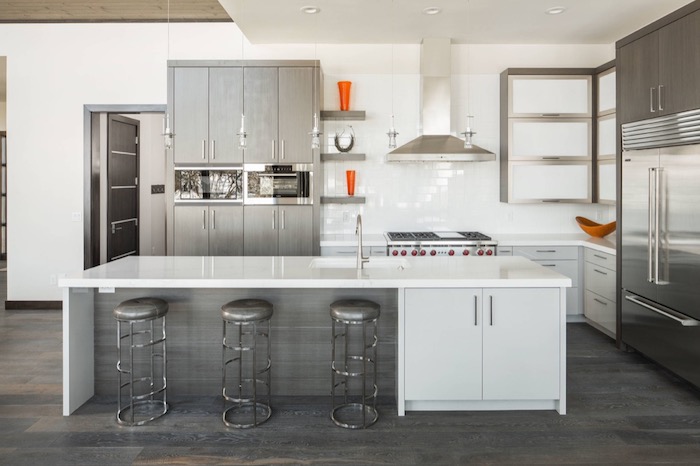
358, 231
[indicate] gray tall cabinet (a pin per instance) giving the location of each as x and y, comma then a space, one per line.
205, 102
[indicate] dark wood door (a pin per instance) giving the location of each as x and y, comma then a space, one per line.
122, 187
638, 66
679, 65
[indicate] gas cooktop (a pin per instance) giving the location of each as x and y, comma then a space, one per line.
437, 236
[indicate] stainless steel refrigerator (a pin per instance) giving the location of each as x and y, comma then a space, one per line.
660, 242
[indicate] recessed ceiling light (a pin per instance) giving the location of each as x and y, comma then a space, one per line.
555, 10
432, 10
310, 10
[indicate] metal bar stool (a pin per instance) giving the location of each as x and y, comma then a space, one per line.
249, 315
355, 412
146, 381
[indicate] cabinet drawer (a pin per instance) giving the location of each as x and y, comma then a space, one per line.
600, 280
504, 250
600, 310
546, 252
602, 259
564, 267
351, 251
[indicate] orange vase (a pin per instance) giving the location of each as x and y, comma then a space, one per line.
350, 178
344, 89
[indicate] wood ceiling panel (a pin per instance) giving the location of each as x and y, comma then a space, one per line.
46, 11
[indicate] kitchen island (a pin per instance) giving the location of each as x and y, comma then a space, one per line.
456, 333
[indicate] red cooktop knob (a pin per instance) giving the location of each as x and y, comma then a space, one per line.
403, 253
465, 252
480, 252
422, 252
489, 252
433, 252
394, 252
414, 253
451, 253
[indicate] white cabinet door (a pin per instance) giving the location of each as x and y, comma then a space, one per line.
550, 181
607, 182
550, 138
606, 92
606, 137
443, 344
550, 95
521, 344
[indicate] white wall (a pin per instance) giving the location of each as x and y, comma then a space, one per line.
58, 68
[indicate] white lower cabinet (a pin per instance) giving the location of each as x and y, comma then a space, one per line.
339, 251
499, 344
599, 303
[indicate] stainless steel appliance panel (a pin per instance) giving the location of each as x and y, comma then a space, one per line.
679, 256
660, 337
638, 217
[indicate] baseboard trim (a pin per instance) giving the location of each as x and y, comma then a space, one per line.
33, 305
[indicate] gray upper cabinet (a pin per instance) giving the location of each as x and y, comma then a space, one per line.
207, 105
279, 114
208, 230
283, 231
658, 71
261, 94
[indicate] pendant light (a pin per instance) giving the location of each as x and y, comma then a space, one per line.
167, 131
392, 131
315, 132
242, 135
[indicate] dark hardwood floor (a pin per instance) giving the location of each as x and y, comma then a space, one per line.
621, 410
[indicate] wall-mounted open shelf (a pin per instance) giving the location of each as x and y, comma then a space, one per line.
342, 115
342, 157
342, 200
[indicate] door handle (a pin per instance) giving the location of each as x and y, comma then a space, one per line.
213, 220
682, 319
282, 150
204, 149
600, 272
491, 309
273, 149
273, 220
651, 100
213, 149
283, 223
204, 219
657, 217
661, 107
650, 227
476, 303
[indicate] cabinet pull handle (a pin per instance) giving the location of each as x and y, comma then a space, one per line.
548, 265
213, 149
599, 301
475, 311
282, 151
282, 223
491, 309
600, 257
204, 149
651, 100
551, 200
551, 114
273, 220
661, 107
204, 219
599, 271
551, 158
273, 149
213, 220
546, 250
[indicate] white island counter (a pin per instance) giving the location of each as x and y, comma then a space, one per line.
481, 311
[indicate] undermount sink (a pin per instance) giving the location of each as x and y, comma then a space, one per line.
351, 263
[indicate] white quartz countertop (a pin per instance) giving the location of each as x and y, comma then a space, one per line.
299, 272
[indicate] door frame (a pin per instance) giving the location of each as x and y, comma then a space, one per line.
91, 172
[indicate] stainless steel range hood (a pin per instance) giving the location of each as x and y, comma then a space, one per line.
437, 144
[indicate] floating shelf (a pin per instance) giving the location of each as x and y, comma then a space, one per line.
342, 200
345, 156
342, 115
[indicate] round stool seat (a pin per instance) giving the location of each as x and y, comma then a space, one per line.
246, 310
354, 310
141, 309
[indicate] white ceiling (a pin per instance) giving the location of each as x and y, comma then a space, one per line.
464, 21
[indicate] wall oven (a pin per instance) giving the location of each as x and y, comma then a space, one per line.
209, 184
278, 184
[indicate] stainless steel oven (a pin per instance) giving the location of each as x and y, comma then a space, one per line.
209, 184
278, 184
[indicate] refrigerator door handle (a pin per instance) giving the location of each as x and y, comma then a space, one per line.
657, 216
650, 230
682, 319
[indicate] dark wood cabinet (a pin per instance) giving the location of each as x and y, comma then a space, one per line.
659, 71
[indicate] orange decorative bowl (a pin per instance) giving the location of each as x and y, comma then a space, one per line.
595, 229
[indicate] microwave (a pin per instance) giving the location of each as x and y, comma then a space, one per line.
209, 184
278, 184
